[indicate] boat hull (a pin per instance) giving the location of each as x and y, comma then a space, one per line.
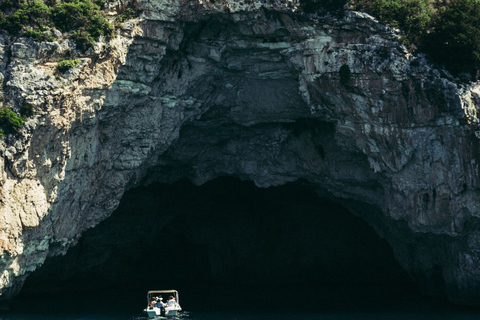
171, 312
153, 312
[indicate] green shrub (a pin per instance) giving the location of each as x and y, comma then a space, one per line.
65, 65
37, 35
83, 39
9, 121
73, 15
412, 16
30, 17
455, 38
9, 4
99, 26
31, 13
2, 134
125, 15
84, 17
448, 31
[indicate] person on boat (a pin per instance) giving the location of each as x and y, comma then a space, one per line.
171, 302
159, 304
152, 303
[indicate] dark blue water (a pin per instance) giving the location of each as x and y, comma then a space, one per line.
332, 304
255, 316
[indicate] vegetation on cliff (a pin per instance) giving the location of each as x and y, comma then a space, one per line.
83, 19
9, 122
446, 30
12, 123
66, 65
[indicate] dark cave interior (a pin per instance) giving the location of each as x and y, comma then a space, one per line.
225, 239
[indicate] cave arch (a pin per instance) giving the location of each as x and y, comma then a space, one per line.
225, 236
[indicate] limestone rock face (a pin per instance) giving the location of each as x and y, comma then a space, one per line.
198, 90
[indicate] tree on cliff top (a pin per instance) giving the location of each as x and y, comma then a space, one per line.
447, 31
455, 38
32, 17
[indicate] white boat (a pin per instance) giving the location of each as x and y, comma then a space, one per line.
172, 305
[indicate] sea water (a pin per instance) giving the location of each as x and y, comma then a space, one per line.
249, 316
407, 312
335, 303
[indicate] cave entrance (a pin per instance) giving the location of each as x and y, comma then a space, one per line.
225, 239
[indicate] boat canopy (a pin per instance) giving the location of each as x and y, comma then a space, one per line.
156, 292
162, 291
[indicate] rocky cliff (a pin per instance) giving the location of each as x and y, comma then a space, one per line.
255, 90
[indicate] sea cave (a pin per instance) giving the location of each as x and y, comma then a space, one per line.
225, 244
